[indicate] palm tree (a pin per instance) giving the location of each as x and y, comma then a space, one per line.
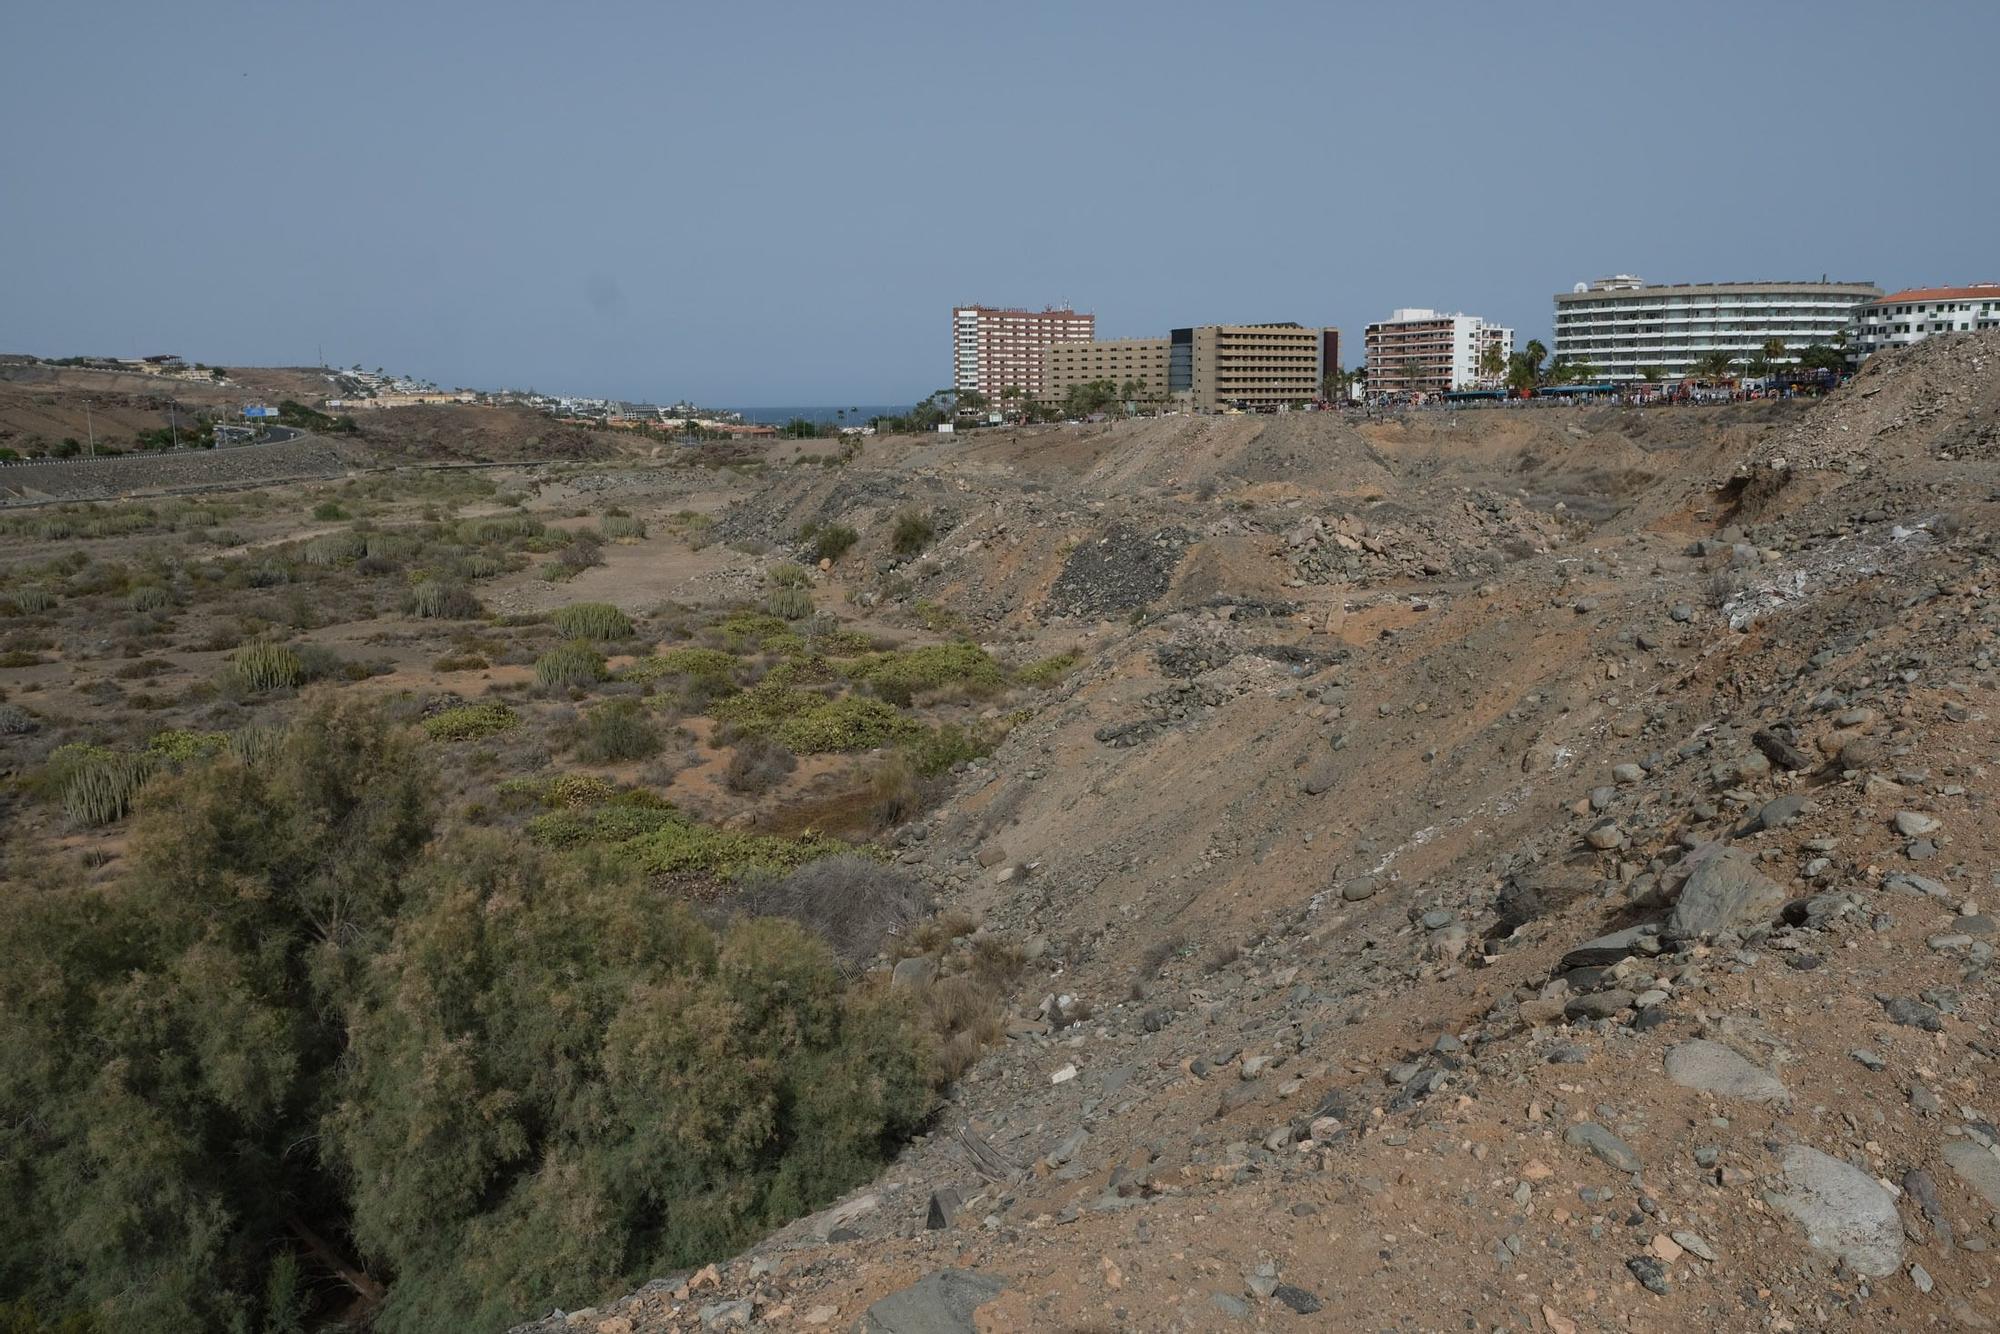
1774, 349
1524, 369
1651, 374
1492, 362
1716, 365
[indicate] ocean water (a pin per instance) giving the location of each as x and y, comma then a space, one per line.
856, 415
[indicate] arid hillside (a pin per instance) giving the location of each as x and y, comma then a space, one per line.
1512, 869
1519, 868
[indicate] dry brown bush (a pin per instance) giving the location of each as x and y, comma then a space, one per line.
854, 902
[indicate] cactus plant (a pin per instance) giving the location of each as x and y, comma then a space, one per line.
570, 665
440, 600
790, 604
98, 785
267, 666
593, 620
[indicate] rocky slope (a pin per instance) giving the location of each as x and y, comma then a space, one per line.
1525, 870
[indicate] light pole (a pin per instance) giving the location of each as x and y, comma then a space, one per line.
173, 420
89, 428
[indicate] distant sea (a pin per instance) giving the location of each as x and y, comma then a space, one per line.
856, 416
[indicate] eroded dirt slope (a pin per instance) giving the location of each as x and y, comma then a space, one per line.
1507, 870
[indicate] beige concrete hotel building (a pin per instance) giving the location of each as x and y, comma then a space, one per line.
1119, 360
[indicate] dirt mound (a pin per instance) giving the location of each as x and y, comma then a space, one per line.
1937, 399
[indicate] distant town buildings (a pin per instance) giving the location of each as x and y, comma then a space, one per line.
1418, 351
1914, 314
1621, 326
410, 400
993, 350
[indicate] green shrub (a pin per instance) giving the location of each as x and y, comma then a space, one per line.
789, 604
438, 600
469, 722
569, 666
179, 746
616, 731
266, 666
788, 574
622, 528
748, 630
573, 791
913, 532
940, 748
593, 620
328, 511
1047, 671
812, 724
898, 675
709, 672
600, 825
683, 847
832, 541
33, 598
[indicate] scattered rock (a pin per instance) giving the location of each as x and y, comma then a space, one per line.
944, 1207
726, 1315
1775, 814
1913, 1014
915, 973
1652, 1275
1695, 1244
1230, 1305
1977, 1166
1615, 1152
1915, 824
1296, 1298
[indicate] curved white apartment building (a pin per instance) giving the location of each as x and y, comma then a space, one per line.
1914, 314
1622, 325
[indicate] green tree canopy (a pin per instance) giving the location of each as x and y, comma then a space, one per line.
307, 1041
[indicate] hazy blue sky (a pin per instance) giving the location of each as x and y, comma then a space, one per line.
778, 203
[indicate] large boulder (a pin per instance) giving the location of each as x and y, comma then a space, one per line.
1844, 1211
1714, 1068
939, 1303
1724, 892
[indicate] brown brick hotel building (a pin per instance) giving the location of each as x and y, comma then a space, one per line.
992, 348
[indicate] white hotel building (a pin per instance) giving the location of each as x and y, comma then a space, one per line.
1419, 351
1912, 315
1621, 325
